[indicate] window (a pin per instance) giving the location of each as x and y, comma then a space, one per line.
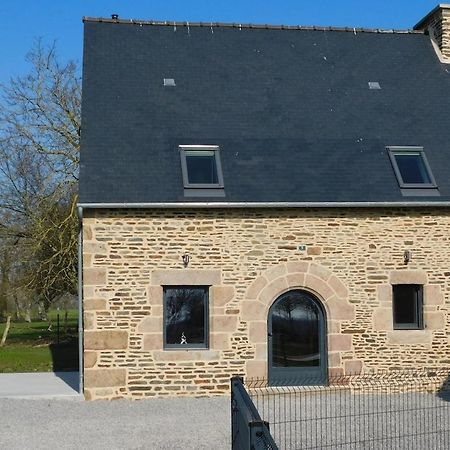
201, 166
411, 167
407, 306
186, 317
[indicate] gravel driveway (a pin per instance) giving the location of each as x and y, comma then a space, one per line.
170, 423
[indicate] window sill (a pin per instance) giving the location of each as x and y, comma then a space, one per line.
412, 337
185, 349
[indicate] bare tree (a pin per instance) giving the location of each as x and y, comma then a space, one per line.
39, 157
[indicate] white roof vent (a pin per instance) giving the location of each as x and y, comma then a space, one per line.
374, 85
169, 82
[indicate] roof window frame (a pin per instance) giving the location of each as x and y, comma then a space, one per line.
216, 149
393, 151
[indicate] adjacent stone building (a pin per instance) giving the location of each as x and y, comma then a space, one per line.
266, 201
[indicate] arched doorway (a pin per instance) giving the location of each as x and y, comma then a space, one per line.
297, 340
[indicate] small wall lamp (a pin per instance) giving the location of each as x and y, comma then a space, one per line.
407, 256
186, 259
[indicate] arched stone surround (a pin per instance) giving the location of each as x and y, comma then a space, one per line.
321, 282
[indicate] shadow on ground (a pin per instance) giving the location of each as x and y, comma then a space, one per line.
444, 391
65, 355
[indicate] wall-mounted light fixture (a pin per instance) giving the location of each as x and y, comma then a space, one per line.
407, 256
186, 259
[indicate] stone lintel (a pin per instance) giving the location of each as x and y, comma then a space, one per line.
192, 277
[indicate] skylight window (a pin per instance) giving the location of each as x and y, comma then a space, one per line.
201, 166
411, 167
374, 85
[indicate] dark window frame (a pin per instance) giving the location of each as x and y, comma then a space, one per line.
418, 307
205, 345
393, 151
207, 148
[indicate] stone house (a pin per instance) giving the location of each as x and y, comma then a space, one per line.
262, 200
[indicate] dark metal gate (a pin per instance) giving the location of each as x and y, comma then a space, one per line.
401, 410
248, 431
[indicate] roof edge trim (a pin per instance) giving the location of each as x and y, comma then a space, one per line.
264, 205
425, 19
241, 26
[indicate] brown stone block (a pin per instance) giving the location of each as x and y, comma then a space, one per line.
94, 304
87, 260
338, 286
223, 323
252, 310
339, 342
384, 292
106, 340
383, 319
273, 290
153, 341
297, 266
334, 359
94, 276
275, 272
94, 378
334, 326
432, 295
103, 393
221, 295
314, 251
319, 271
435, 320
90, 358
88, 291
256, 287
87, 232
353, 367
155, 295
319, 286
220, 341
295, 280
151, 325
340, 309
89, 321
261, 351
186, 277
258, 332
409, 337
408, 277
256, 369
335, 372
95, 248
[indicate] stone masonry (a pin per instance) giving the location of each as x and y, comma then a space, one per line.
437, 23
349, 258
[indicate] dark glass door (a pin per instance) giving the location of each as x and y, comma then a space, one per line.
297, 340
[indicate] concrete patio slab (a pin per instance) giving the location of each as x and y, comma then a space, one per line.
40, 385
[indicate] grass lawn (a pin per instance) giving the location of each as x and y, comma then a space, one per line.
31, 347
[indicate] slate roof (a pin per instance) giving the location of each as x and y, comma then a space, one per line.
290, 109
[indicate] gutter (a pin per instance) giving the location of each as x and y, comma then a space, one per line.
174, 205
80, 300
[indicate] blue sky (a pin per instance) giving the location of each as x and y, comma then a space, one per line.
24, 20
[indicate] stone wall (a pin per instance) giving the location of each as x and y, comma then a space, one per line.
438, 25
348, 258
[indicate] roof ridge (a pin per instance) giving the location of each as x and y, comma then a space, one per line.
247, 26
